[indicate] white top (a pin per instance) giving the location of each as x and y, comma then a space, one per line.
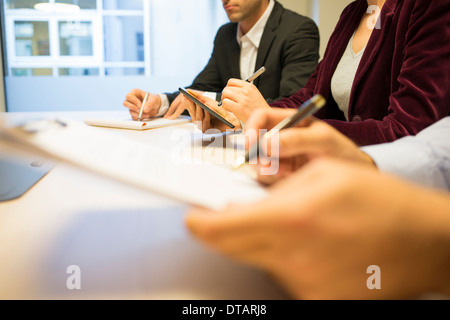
249, 44
424, 159
344, 76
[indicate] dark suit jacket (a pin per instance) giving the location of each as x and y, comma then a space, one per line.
403, 81
289, 50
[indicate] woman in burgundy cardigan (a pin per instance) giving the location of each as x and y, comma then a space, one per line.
402, 84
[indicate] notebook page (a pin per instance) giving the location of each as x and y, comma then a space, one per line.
136, 125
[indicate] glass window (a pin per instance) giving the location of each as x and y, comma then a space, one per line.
183, 42
22, 4
83, 4
156, 45
26, 72
124, 38
124, 71
123, 5
32, 38
75, 38
79, 72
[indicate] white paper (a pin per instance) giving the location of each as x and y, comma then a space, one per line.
136, 125
139, 164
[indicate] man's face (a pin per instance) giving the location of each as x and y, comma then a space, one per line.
240, 10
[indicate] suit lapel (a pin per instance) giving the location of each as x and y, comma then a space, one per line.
268, 37
234, 55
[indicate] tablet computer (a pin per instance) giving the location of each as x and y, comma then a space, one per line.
206, 108
18, 175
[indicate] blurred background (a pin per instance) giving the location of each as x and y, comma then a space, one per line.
88, 54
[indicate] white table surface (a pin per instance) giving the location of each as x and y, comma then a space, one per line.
129, 244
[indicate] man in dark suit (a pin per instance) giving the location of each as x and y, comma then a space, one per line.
261, 33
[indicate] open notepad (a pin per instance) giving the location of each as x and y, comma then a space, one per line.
137, 125
135, 163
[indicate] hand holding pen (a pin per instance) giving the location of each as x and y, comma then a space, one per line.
309, 108
142, 104
242, 98
252, 78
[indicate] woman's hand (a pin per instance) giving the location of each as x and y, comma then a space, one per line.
294, 147
242, 99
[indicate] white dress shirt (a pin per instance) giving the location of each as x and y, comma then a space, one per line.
249, 44
424, 159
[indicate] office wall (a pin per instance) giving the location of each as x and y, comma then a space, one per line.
301, 6
2, 91
325, 12
329, 12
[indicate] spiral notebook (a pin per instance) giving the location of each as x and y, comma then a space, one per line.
136, 125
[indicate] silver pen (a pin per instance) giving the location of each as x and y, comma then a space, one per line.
142, 106
251, 78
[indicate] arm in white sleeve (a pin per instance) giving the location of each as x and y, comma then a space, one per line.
424, 159
164, 105
211, 95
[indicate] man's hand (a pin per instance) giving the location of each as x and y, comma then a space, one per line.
203, 118
176, 108
133, 102
242, 99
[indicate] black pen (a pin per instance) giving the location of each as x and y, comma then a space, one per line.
253, 77
308, 108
